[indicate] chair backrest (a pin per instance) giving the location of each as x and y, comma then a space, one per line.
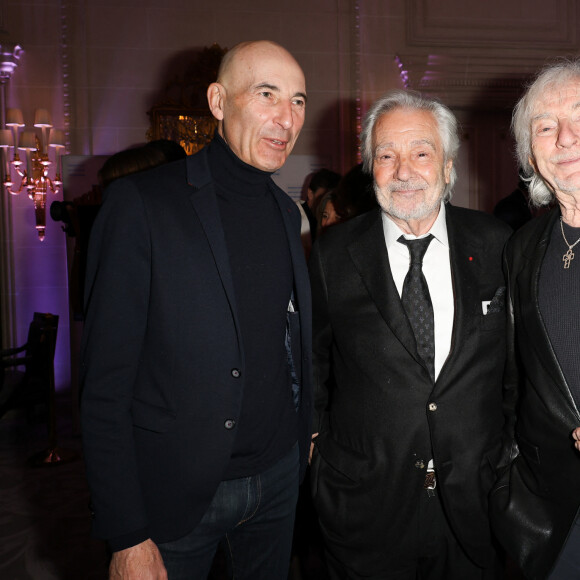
41, 344
34, 386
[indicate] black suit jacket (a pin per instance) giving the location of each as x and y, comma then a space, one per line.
536, 498
163, 366
380, 416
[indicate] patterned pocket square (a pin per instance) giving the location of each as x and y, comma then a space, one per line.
497, 303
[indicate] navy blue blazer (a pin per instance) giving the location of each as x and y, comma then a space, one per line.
163, 367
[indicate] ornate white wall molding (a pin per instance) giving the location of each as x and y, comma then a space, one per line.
526, 25
474, 54
467, 80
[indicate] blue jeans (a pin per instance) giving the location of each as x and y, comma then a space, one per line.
253, 517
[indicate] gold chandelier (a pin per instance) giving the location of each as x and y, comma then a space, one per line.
33, 174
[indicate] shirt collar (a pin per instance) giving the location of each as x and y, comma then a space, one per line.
393, 232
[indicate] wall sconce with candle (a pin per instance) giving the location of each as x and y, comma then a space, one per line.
33, 174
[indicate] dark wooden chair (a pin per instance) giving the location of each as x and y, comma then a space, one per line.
27, 371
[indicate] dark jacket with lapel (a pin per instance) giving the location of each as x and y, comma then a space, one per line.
380, 416
163, 367
536, 498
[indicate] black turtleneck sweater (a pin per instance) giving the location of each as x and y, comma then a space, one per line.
262, 273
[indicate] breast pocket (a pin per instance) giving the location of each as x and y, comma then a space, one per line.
493, 322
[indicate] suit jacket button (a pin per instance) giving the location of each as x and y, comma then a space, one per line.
236, 373
432, 407
230, 424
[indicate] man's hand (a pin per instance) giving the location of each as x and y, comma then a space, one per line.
140, 562
576, 435
314, 436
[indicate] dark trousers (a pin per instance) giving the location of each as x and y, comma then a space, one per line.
253, 518
568, 563
437, 554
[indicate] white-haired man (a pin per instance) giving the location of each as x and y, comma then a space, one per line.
536, 499
408, 362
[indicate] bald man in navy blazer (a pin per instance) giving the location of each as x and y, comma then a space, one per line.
196, 394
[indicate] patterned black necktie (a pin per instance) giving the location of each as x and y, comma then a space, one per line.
417, 302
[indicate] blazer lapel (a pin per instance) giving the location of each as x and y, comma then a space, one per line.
369, 254
301, 282
302, 294
465, 253
204, 202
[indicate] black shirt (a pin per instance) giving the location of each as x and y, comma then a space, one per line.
559, 289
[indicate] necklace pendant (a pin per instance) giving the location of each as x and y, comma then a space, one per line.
567, 258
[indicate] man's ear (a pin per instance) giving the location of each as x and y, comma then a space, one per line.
447, 171
532, 162
215, 99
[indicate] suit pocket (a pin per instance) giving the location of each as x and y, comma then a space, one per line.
151, 417
350, 463
493, 322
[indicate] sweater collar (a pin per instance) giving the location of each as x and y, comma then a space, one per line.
230, 173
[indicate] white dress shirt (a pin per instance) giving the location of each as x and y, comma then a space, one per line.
437, 272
